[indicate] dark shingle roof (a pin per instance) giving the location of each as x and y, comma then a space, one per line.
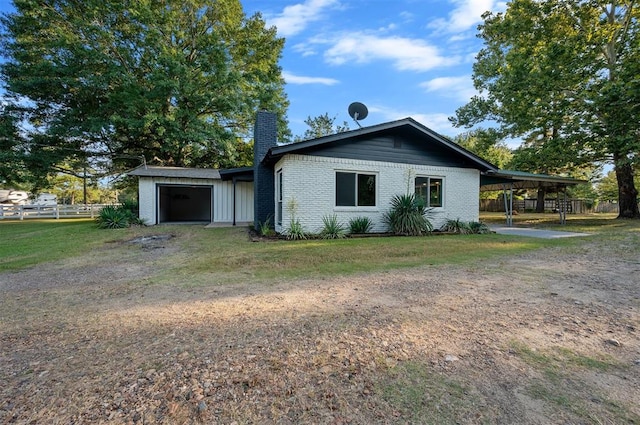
175, 172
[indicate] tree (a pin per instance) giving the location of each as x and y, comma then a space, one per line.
322, 125
564, 75
607, 187
176, 81
486, 144
11, 164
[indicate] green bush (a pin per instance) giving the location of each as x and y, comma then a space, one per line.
478, 228
332, 228
456, 226
407, 216
113, 217
360, 225
119, 216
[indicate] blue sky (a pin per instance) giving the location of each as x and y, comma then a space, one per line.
401, 58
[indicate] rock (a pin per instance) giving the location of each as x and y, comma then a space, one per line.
449, 358
637, 362
202, 406
613, 342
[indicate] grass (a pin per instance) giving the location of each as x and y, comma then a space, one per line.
561, 387
301, 355
236, 259
232, 257
419, 395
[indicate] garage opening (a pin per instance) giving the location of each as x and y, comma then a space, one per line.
185, 204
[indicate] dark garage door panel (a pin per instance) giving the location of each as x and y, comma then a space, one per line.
181, 203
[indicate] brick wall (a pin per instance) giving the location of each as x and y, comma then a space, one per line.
265, 134
310, 181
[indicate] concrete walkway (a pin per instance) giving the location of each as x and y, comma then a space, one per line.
534, 233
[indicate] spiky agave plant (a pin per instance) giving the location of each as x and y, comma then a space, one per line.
407, 216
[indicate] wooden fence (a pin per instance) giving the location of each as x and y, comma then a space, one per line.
21, 212
574, 206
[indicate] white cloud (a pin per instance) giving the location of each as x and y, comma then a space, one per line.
438, 122
406, 54
295, 18
299, 79
465, 15
460, 88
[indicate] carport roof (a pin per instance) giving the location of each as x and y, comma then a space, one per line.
497, 180
175, 172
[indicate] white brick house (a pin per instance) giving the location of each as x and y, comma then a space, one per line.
310, 182
358, 172
350, 174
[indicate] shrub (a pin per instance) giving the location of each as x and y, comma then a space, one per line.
407, 216
360, 225
265, 228
295, 230
332, 228
113, 217
456, 226
130, 206
120, 216
478, 228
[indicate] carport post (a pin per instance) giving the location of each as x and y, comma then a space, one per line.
508, 206
563, 207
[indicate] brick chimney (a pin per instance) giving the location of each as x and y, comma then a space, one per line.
265, 135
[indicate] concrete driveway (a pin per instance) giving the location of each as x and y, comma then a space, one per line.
535, 233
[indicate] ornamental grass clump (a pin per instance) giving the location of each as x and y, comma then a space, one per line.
407, 216
478, 228
295, 231
113, 217
332, 228
359, 225
456, 226
119, 216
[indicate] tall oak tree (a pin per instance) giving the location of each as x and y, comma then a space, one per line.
564, 75
175, 81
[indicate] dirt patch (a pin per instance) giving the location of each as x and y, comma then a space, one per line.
522, 339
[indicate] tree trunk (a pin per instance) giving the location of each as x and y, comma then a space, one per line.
542, 193
627, 192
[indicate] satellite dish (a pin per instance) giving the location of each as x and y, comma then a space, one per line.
358, 111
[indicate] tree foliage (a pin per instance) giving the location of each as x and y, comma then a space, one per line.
486, 144
564, 75
175, 81
322, 125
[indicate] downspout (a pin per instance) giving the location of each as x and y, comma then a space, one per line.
234, 200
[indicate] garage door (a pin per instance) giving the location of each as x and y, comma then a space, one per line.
185, 204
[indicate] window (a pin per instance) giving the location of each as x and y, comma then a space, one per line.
279, 197
355, 190
429, 189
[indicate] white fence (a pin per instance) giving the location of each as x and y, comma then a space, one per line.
21, 212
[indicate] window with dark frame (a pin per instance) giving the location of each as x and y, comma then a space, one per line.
355, 189
429, 190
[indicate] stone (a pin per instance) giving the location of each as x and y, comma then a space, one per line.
449, 358
613, 342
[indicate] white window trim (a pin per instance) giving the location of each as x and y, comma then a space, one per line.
279, 198
356, 208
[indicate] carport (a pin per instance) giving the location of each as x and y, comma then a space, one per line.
507, 180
